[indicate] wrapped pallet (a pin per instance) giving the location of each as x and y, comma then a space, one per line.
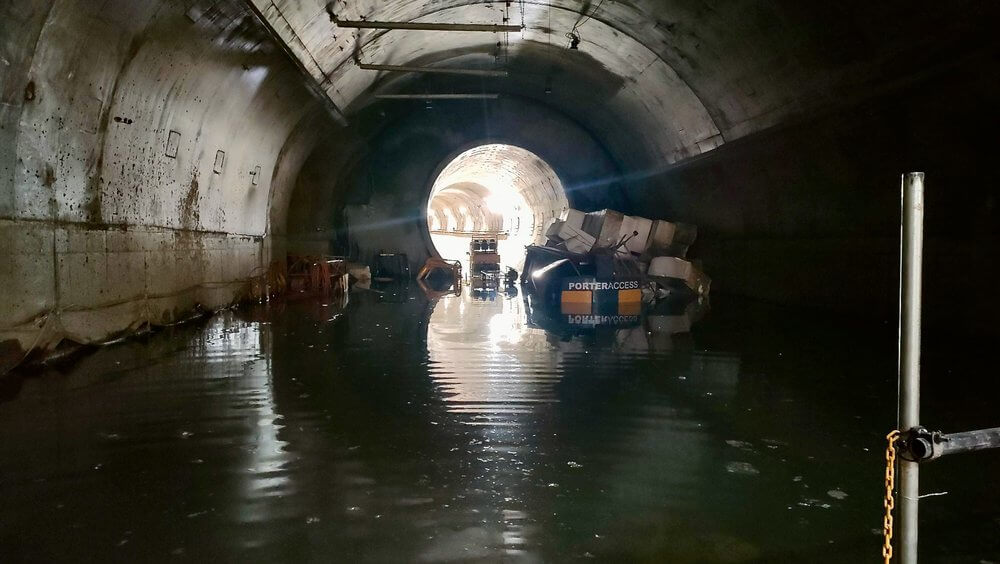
680, 270
604, 226
574, 218
667, 238
553, 230
625, 231
562, 233
636, 234
576, 240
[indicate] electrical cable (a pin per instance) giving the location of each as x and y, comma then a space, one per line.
574, 33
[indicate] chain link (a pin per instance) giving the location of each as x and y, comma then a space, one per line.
890, 501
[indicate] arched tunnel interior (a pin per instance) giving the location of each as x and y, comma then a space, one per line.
162, 158
498, 189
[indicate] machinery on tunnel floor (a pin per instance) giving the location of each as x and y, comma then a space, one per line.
310, 275
607, 262
661, 326
440, 277
391, 266
484, 265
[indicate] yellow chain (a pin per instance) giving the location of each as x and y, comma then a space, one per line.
890, 501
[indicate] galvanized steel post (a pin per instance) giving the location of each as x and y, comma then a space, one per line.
911, 268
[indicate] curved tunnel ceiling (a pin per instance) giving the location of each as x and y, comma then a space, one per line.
672, 79
178, 129
500, 189
490, 187
462, 207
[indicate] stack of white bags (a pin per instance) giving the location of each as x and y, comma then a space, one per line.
660, 246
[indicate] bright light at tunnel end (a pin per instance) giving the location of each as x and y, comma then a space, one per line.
494, 189
503, 202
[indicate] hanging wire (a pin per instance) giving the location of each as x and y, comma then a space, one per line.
574, 34
506, 34
592, 12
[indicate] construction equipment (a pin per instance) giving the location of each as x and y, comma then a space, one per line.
439, 277
484, 264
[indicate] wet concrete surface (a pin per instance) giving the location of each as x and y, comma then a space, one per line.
398, 430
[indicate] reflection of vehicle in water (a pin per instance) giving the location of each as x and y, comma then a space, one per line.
555, 318
484, 293
493, 285
662, 326
484, 264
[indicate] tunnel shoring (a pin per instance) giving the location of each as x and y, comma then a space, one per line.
493, 190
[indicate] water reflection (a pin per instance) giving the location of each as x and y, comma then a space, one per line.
487, 360
397, 429
502, 364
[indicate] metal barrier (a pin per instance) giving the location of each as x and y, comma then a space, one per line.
912, 442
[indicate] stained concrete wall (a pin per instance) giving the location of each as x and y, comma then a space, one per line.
808, 214
657, 81
805, 213
117, 206
780, 134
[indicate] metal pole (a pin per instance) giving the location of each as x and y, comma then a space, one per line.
968, 441
911, 267
426, 26
924, 445
437, 96
438, 70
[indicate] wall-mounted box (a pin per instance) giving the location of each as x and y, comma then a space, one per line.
220, 161
173, 143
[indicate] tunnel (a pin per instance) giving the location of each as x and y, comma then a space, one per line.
164, 162
494, 188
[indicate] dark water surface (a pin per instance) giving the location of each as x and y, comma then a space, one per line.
402, 430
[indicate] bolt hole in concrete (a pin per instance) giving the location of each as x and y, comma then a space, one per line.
493, 190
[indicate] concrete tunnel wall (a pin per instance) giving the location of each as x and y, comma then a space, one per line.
781, 134
512, 175
779, 128
384, 196
102, 230
445, 210
808, 214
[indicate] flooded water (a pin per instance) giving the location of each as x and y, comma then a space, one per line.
403, 430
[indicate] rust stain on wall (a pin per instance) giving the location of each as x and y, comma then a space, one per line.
93, 204
190, 214
49, 179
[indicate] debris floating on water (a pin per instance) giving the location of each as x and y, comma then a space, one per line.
744, 468
837, 494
